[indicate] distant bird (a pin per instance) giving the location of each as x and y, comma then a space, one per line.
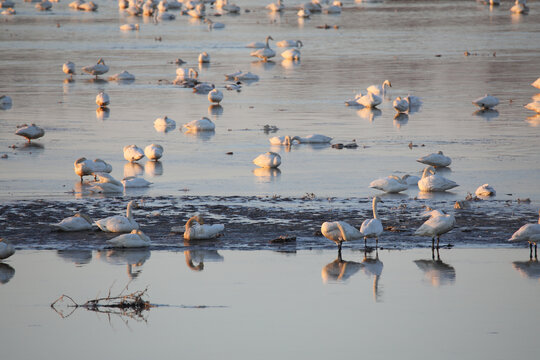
69, 69
485, 190
204, 124
434, 182
236, 86
123, 76
340, 231
196, 229
6, 249
153, 152
436, 159
414, 102
283, 140
268, 160
203, 88
401, 105
390, 184
303, 13
5, 102
529, 233
31, 132
486, 102
164, 124
379, 89
335, 8
204, 57
78, 222
214, 25
119, 223
439, 223
102, 99
133, 153
99, 69
291, 54
536, 83
249, 76
410, 179
314, 139
84, 167
130, 27
215, 96
276, 7
88, 6
372, 227
290, 43
265, 53
519, 7
44, 5
313, 6
230, 8
370, 100
135, 239
135, 182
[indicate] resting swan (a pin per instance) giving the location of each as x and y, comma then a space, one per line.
268, 160
135, 239
6, 249
78, 222
133, 153
379, 89
283, 140
99, 69
529, 233
196, 229
372, 227
265, 53
119, 223
437, 160
439, 223
153, 152
30, 132
486, 102
432, 183
389, 184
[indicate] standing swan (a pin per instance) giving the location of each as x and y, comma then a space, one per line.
439, 223
529, 233
372, 227
99, 69
379, 89
196, 229
265, 53
340, 231
119, 223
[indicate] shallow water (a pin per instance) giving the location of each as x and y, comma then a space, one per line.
265, 304
396, 40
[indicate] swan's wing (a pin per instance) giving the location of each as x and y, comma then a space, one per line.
371, 227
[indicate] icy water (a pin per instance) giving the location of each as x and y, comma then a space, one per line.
419, 46
469, 304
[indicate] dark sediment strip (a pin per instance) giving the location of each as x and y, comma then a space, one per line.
251, 222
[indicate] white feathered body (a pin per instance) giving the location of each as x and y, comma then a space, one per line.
486, 102
153, 151
435, 183
268, 160
485, 190
135, 239
203, 232
389, 184
331, 231
6, 249
74, 223
203, 124
436, 159
439, 223
133, 153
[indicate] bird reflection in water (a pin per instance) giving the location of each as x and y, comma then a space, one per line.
400, 119
103, 113
339, 270
372, 266
369, 113
153, 168
267, 175
134, 258
133, 169
528, 269
199, 257
6, 273
487, 114
215, 110
436, 271
78, 257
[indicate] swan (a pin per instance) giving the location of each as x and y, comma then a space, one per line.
369, 100
268, 160
291, 54
335, 8
8, 11
197, 12
204, 57
99, 69
215, 96
174, 5
529, 233
102, 99
439, 223
78, 222
519, 8
379, 89
231, 76
265, 53
123, 76
340, 231
135, 182
249, 76
148, 8
304, 13
135, 239
432, 183
236, 86
230, 8
103, 178
134, 9
290, 43
44, 5
163, 6
534, 106
88, 6
437, 160
204, 124
164, 16
401, 105
196, 229
153, 152
536, 83
133, 153
6, 249
106, 188
486, 102
119, 223
414, 101
184, 74
390, 184
372, 227
129, 27
31, 132
485, 190
283, 140
314, 139
203, 88
410, 179
84, 167
276, 7
5, 102
312, 6
214, 25
122, 4
69, 68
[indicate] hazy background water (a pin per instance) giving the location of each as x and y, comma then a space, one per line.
395, 40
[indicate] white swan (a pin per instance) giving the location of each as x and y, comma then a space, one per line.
130, 27
432, 183
312, 6
283, 140
486, 102
215, 96
534, 106
99, 69
135, 239
314, 139
153, 152
214, 25
119, 223
390, 184
135, 182
276, 7
291, 54
203, 88
88, 6
414, 102
439, 223
519, 7
372, 227
379, 89
204, 124
410, 179
163, 6
303, 13
335, 8
133, 153
231, 76
196, 229
249, 76
436, 159
123, 76
340, 231
78, 222
290, 43
106, 188
204, 57
30, 132
369, 100
84, 167
265, 53
69, 68
268, 160
102, 99
401, 105
529, 233
103, 178
536, 83
485, 190
6, 249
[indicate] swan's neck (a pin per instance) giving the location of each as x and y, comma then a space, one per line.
426, 172
267, 43
375, 215
190, 222
128, 211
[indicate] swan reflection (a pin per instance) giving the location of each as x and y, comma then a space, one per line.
103, 113
400, 119
199, 257
290, 64
369, 114
78, 257
200, 135
153, 168
528, 269
265, 65
436, 272
32, 148
533, 120
487, 114
133, 169
339, 270
266, 175
6, 273
215, 110
134, 258
372, 266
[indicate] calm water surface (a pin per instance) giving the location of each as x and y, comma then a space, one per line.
395, 40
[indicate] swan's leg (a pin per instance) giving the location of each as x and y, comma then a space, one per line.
376, 242
365, 242
432, 243
530, 250
438, 238
432, 253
